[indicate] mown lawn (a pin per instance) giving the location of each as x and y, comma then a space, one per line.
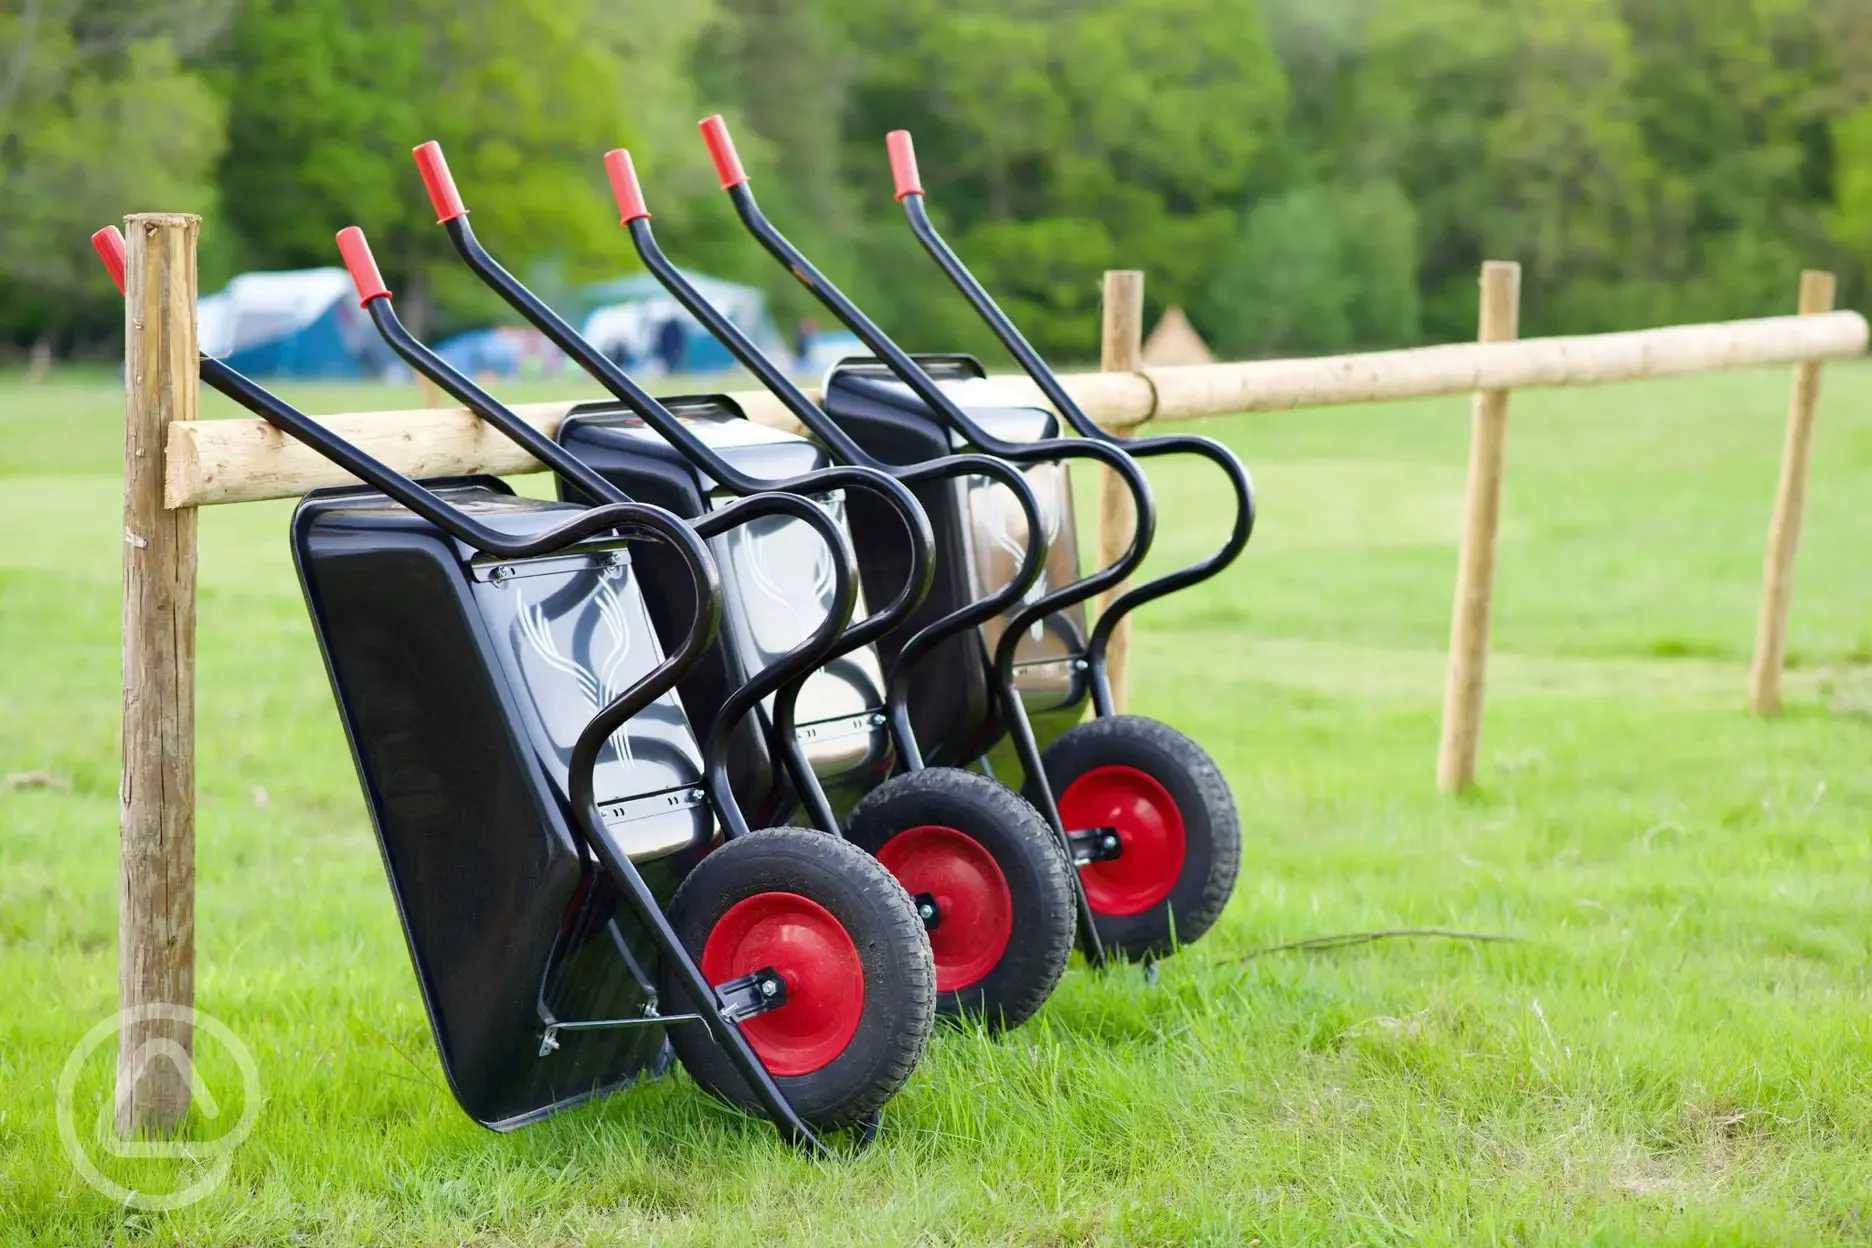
1674, 1048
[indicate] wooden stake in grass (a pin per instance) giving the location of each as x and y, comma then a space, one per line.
1784, 527
1475, 569
156, 814
1121, 350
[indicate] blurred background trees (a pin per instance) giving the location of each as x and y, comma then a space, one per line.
1300, 175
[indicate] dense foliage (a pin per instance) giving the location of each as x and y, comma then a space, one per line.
1301, 175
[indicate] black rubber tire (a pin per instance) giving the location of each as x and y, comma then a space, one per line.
899, 977
1035, 867
1211, 826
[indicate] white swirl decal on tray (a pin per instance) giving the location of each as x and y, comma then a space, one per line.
598, 686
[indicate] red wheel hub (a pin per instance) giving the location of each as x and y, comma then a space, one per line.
975, 912
1150, 836
816, 957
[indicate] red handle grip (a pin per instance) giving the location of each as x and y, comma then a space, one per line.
721, 150
109, 245
357, 258
903, 163
630, 200
439, 182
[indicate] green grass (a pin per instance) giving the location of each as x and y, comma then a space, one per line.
1675, 1050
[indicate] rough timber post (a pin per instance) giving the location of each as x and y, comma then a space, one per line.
1121, 350
1475, 570
156, 812
1816, 296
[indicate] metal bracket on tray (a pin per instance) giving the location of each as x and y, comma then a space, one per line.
741, 999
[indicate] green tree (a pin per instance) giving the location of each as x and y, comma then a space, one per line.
326, 98
1317, 270
1280, 289
99, 116
781, 71
1379, 257
1728, 93
1059, 137
1510, 127
1851, 218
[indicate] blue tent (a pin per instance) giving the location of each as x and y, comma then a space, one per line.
503, 351
305, 323
635, 321
823, 350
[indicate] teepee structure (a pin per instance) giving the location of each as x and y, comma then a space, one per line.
1175, 341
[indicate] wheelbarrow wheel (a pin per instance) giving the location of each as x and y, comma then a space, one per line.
991, 883
1179, 835
848, 945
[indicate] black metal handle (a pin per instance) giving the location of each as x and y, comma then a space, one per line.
925, 641
665, 422
922, 570
925, 388
624, 519
785, 675
921, 384
912, 197
453, 216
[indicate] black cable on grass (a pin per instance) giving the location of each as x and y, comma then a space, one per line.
1344, 940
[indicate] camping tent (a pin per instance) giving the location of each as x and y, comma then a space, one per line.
304, 323
631, 318
503, 351
1175, 341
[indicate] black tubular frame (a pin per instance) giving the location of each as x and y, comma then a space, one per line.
687, 541
782, 678
1047, 450
841, 444
1139, 448
666, 425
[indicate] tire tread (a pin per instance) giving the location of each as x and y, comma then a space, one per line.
1110, 736
1044, 927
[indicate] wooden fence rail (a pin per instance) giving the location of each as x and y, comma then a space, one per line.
237, 461
190, 463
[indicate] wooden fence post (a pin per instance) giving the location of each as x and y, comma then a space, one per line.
1475, 570
1121, 350
1816, 296
156, 801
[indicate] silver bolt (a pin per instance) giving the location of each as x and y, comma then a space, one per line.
768, 987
